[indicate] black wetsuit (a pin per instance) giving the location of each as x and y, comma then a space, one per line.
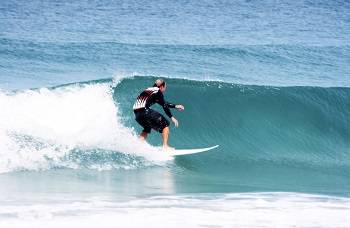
147, 117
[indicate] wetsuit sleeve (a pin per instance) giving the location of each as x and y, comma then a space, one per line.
166, 105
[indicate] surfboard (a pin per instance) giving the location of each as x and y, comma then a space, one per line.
177, 152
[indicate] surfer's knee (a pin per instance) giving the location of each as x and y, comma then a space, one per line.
162, 123
165, 130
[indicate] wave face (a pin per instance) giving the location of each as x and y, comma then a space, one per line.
271, 138
280, 135
284, 124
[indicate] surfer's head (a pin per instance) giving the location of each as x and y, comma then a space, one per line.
160, 83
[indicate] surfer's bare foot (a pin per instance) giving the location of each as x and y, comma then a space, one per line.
168, 148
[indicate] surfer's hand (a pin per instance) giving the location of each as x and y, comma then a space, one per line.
180, 107
175, 121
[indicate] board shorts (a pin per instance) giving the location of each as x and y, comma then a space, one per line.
150, 119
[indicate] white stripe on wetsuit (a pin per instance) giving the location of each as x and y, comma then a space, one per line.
141, 100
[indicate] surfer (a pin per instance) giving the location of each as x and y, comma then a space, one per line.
151, 119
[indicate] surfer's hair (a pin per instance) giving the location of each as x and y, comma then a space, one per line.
158, 83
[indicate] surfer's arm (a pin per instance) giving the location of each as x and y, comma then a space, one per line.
167, 111
166, 105
177, 106
169, 105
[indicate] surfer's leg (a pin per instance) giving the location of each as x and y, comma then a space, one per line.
142, 118
165, 136
159, 123
143, 135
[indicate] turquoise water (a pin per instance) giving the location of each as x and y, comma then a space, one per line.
296, 136
267, 81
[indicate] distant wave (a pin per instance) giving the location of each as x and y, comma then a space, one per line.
278, 65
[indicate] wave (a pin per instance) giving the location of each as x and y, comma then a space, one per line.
274, 137
279, 65
278, 131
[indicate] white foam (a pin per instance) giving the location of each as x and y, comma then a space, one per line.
38, 127
199, 210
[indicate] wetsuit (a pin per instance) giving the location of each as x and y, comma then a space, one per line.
147, 117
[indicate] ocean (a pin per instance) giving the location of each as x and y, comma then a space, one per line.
268, 81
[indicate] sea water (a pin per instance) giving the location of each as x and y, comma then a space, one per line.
266, 80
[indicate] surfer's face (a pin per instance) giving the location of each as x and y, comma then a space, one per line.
162, 88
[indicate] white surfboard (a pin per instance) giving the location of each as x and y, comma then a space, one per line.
177, 152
